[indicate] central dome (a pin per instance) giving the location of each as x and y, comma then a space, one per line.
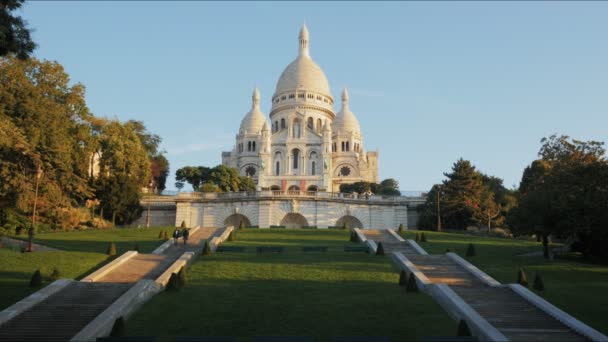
303, 73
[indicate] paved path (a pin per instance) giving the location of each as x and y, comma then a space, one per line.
507, 311
65, 313
16, 243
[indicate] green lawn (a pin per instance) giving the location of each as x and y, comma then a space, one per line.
292, 294
81, 253
576, 287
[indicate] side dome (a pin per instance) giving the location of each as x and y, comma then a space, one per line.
254, 121
345, 120
303, 72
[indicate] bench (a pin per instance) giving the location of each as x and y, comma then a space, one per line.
230, 249
269, 249
314, 249
364, 249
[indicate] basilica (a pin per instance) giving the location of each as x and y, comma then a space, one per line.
303, 144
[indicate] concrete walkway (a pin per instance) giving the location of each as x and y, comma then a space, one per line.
65, 313
510, 313
16, 243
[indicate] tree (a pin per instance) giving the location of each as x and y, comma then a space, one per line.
218, 179
462, 192
15, 37
179, 186
389, 187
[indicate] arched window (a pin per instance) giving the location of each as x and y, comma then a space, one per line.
334, 148
310, 123
313, 169
276, 126
253, 146
319, 125
249, 146
347, 146
277, 168
343, 146
296, 128
296, 156
282, 123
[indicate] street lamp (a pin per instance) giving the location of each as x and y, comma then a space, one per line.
30, 232
148, 214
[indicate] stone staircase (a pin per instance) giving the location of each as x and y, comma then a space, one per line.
508, 312
63, 314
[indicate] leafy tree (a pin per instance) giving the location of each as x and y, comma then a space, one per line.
159, 169
192, 175
218, 179
14, 35
389, 187
179, 185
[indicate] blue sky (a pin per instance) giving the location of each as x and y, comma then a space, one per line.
429, 82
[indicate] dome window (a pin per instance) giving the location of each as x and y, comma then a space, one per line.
310, 123
282, 123
310, 96
283, 97
300, 96
292, 96
319, 98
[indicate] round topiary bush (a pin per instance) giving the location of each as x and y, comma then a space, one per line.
206, 249
522, 279
539, 284
380, 249
470, 250
36, 279
111, 249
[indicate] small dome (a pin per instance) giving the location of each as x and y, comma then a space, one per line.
303, 72
345, 119
254, 121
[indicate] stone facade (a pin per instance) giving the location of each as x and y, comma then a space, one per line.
306, 145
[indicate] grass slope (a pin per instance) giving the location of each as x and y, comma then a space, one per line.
574, 286
292, 294
81, 253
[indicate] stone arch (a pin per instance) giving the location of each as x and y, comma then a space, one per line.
351, 222
235, 220
294, 187
294, 220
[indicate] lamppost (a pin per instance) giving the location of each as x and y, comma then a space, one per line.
148, 214
30, 232
438, 209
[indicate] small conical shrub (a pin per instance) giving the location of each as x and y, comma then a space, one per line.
165, 235
380, 249
417, 237
546, 251
206, 249
161, 233
402, 278
173, 284
401, 228
136, 247
182, 278
183, 225
56, 274
423, 237
119, 328
353, 236
344, 225
412, 286
241, 225
463, 329
470, 251
521, 278
111, 249
36, 279
231, 236
539, 284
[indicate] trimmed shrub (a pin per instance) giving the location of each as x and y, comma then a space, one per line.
111, 249
353, 236
380, 249
182, 277
183, 225
402, 278
119, 328
401, 228
417, 237
173, 284
423, 237
56, 274
470, 251
161, 233
412, 286
344, 225
165, 235
539, 284
36, 279
241, 225
136, 247
232, 236
463, 329
206, 249
521, 278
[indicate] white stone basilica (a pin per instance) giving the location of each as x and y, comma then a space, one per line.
306, 145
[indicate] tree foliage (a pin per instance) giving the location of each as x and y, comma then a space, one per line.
218, 179
388, 187
15, 37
